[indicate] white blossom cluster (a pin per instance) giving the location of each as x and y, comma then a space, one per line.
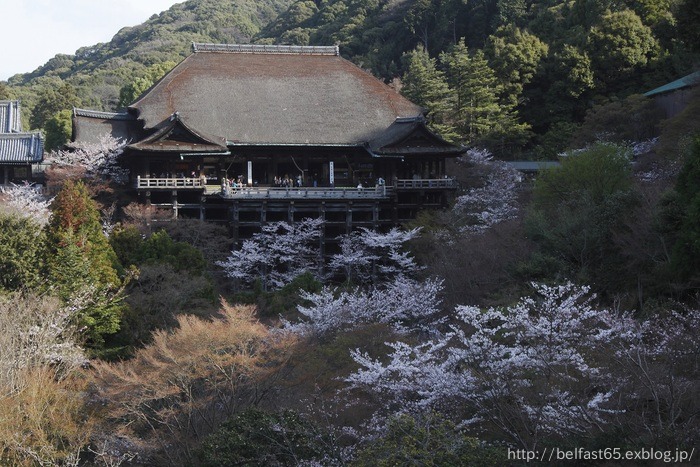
493, 202
98, 159
37, 331
278, 254
283, 251
368, 256
28, 200
640, 148
403, 303
531, 369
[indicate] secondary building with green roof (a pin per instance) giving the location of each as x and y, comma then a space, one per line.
674, 96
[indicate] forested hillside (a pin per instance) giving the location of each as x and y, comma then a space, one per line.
539, 65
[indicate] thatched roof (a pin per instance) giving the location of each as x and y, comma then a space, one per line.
410, 136
259, 95
89, 126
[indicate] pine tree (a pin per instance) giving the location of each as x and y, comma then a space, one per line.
21, 247
425, 85
480, 118
476, 89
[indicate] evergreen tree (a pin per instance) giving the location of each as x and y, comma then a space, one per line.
425, 85
58, 130
620, 45
688, 15
81, 261
515, 55
476, 88
51, 101
21, 249
578, 208
5, 93
479, 116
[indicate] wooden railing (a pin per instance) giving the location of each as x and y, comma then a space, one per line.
379, 192
143, 182
426, 183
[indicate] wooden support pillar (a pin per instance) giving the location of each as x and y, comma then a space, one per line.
322, 238
173, 198
233, 221
263, 213
375, 215
348, 218
290, 212
202, 208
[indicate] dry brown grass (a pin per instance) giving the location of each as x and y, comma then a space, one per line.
44, 423
183, 385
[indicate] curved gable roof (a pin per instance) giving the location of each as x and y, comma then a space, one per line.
275, 95
177, 135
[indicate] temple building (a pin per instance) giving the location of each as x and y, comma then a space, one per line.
248, 134
19, 151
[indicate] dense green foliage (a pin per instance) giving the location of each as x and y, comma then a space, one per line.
157, 294
686, 251
551, 60
132, 249
254, 437
578, 207
80, 260
21, 251
431, 441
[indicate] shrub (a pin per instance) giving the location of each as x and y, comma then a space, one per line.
255, 437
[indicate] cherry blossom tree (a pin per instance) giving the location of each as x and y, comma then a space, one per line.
278, 254
369, 256
660, 370
282, 251
38, 331
532, 370
404, 304
99, 160
28, 200
491, 203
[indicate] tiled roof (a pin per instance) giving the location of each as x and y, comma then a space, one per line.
10, 117
21, 148
533, 166
274, 95
103, 115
